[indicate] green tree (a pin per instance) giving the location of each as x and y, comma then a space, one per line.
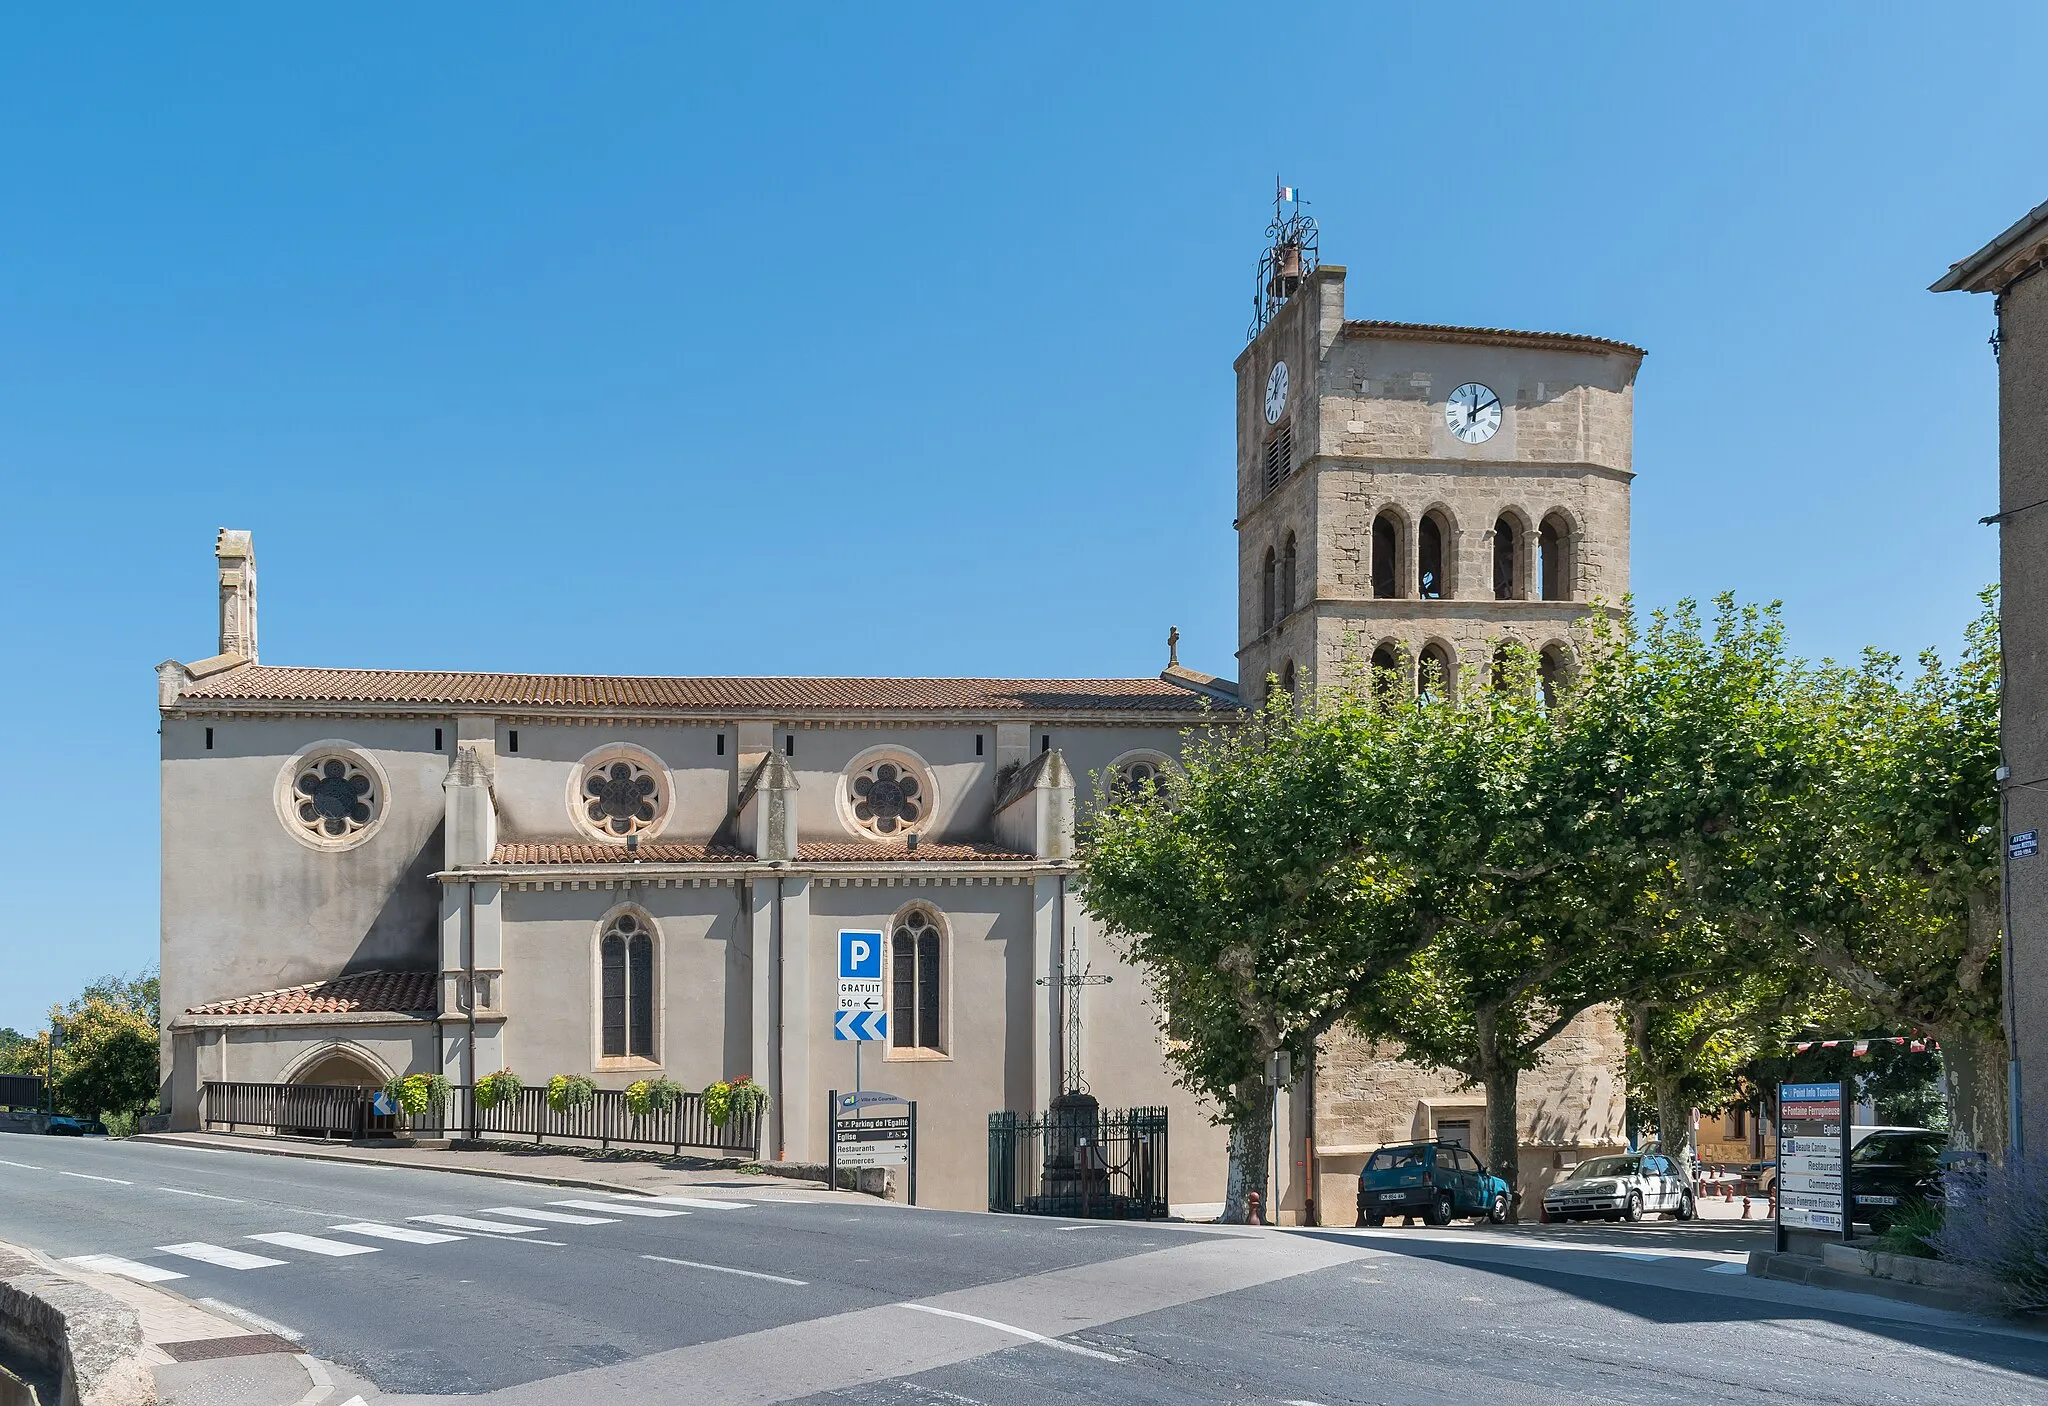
19, 1053
106, 1059
1885, 866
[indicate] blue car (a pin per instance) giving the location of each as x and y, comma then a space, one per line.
1439, 1181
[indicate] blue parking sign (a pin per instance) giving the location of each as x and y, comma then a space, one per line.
860, 955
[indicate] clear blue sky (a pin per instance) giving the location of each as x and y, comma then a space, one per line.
805, 341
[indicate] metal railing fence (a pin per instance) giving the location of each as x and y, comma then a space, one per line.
344, 1111
1107, 1165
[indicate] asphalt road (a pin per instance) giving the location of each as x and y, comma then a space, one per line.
778, 1295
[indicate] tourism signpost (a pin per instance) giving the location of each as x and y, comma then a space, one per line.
1813, 1160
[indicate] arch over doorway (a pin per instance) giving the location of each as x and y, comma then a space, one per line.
342, 1064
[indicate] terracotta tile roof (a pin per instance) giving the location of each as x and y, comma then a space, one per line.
1503, 336
409, 992
870, 851
781, 696
615, 854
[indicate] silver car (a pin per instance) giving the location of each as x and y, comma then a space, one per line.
1621, 1188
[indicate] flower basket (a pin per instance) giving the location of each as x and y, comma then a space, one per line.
568, 1091
725, 1099
651, 1096
494, 1089
416, 1093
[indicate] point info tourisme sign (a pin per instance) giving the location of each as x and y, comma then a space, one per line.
1813, 1148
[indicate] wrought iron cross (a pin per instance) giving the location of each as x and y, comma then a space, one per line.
1072, 981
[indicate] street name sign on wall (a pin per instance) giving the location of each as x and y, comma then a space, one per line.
1813, 1144
862, 1013
2024, 845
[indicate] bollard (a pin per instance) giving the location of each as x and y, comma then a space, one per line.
1252, 1215
1727, 1191
1745, 1208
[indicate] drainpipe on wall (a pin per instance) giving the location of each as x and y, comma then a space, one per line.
469, 992
776, 1110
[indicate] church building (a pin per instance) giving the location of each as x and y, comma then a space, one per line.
372, 872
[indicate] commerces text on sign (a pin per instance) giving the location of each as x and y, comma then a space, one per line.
1810, 1190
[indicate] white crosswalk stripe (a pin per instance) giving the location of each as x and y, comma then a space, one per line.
696, 1203
620, 1208
558, 1217
313, 1244
493, 1227
114, 1264
377, 1231
219, 1255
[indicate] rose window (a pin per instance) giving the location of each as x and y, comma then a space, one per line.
1140, 777
620, 797
888, 797
334, 797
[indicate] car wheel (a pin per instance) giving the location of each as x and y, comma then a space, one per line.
1375, 1218
1439, 1214
1687, 1208
1498, 1211
1635, 1207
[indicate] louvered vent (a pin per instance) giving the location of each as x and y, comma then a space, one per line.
1279, 457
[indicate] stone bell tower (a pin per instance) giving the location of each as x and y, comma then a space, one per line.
1412, 495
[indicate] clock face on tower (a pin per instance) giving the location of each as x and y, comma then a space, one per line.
1276, 393
1473, 413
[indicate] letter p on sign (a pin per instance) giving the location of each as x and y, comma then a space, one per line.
860, 955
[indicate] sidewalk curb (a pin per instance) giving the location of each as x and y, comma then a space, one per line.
90, 1343
314, 1154
1803, 1269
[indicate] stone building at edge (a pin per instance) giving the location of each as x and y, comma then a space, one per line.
372, 872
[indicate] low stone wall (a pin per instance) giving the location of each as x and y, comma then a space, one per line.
88, 1342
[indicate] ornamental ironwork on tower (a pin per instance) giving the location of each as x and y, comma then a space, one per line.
1290, 256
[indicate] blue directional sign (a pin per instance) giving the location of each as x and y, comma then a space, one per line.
860, 954
861, 1025
863, 1012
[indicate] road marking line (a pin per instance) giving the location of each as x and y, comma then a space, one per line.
114, 1264
207, 1195
254, 1320
1634, 1255
1740, 1267
622, 1209
496, 1227
23, 1165
727, 1269
1013, 1329
697, 1202
559, 1217
219, 1254
312, 1244
404, 1233
88, 1176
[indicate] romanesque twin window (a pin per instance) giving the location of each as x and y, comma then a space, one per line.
626, 989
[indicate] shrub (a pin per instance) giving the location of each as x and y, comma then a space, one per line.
739, 1096
107, 1061
494, 1089
119, 1124
567, 1091
651, 1096
1911, 1232
416, 1093
1997, 1224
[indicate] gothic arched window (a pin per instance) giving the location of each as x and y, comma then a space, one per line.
626, 989
1386, 542
1288, 564
1553, 670
1269, 592
1386, 671
917, 981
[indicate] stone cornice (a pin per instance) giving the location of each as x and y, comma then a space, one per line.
852, 718
1374, 465
299, 1018
945, 872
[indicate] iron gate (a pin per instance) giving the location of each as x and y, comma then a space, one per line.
1078, 1160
